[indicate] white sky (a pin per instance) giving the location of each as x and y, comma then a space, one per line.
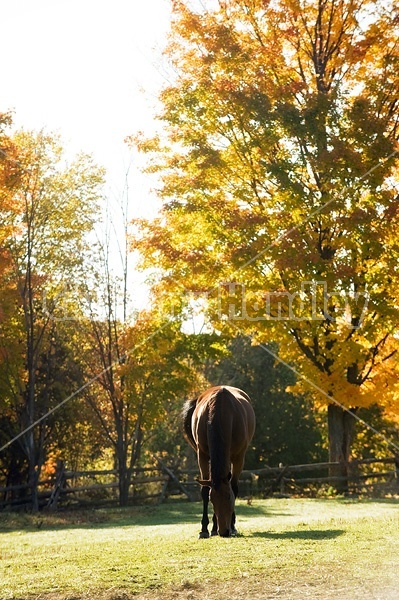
88, 69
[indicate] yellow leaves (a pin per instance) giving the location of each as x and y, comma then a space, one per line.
10, 173
164, 244
378, 375
278, 178
142, 143
159, 364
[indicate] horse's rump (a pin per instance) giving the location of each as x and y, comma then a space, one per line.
220, 423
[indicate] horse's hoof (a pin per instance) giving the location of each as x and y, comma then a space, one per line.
203, 535
213, 533
234, 532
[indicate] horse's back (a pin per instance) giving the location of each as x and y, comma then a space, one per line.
243, 426
230, 404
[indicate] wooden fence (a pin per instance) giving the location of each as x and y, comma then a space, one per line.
373, 476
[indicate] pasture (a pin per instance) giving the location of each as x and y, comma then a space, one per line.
287, 548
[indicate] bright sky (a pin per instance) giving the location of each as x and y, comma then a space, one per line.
88, 69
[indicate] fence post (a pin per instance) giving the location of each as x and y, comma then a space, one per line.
279, 480
354, 477
282, 481
59, 484
175, 479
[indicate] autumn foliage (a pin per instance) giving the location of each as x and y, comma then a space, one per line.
278, 161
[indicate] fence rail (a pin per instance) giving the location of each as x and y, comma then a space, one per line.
371, 476
309, 479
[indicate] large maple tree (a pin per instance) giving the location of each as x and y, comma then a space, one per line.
278, 161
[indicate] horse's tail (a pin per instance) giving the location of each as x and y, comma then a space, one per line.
219, 434
187, 414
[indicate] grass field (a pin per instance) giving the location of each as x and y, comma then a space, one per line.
287, 548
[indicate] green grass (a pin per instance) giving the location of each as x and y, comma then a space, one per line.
346, 547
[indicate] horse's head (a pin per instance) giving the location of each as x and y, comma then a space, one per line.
223, 500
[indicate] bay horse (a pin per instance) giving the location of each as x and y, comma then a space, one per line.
219, 425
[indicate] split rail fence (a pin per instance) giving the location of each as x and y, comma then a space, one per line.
372, 476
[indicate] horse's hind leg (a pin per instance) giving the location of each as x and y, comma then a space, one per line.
234, 487
203, 463
204, 533
237, 468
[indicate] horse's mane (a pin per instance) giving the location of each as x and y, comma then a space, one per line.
219, 450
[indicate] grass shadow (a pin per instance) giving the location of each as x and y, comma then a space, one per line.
172, 513
100, 518
310, 534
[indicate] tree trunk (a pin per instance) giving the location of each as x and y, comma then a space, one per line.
125, 470
124, 485
340, 436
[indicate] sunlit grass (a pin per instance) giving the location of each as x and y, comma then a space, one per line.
157, 547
